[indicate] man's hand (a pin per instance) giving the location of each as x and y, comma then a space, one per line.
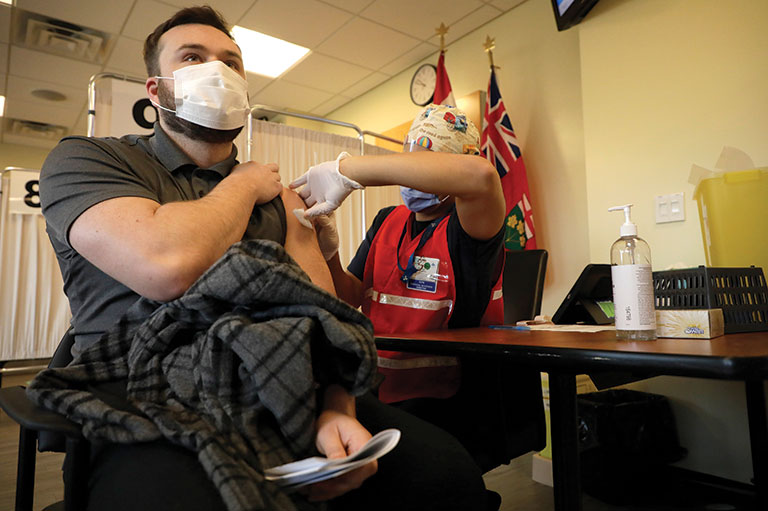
264, 178
339, 435
325, 187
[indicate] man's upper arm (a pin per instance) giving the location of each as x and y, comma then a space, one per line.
78, 174
301, 244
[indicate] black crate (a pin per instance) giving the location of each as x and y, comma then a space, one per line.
740, 292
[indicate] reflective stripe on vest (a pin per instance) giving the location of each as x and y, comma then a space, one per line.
407, 301
418, 363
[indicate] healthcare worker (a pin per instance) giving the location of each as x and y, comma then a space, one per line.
434, 262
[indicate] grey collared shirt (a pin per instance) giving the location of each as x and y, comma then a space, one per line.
81, 172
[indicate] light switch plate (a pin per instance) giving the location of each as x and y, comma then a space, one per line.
670, 208
677, 207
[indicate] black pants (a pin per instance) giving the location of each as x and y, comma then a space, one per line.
428, 470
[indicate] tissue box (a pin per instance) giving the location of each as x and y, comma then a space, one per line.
691, 323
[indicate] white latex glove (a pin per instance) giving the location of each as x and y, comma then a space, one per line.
325, 187
327, 235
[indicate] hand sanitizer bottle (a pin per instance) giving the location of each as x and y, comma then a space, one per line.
633, 299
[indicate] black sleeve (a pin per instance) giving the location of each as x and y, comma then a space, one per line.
477, 265
357, 264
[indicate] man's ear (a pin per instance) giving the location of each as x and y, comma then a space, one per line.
151, 85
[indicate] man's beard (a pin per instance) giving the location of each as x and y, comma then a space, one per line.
190, 129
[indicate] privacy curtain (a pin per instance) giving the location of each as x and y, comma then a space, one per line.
34, 313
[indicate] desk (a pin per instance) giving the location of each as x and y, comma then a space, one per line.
565, 354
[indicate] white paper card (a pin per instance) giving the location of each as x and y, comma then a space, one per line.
316, 469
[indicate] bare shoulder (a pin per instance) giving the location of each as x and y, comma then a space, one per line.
291, 199
301, 243
292, 202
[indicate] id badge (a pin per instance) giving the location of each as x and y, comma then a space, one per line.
425, 278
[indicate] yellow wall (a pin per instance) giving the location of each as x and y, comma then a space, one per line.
12, 155
667, 83
616, 110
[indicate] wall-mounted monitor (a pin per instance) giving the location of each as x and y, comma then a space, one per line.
570, 12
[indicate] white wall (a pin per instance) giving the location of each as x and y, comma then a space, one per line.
616, 110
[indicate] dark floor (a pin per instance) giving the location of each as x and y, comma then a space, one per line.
518, 490
665, 493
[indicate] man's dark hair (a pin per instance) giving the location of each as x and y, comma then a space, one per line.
204, 15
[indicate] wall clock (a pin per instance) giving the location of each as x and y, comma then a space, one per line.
423, 84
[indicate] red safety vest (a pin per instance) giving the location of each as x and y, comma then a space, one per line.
424, 303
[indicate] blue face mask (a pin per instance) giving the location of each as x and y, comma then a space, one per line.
416, 200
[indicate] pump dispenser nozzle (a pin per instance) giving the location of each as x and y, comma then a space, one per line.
627, 228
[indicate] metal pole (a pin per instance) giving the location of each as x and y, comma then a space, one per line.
91, 130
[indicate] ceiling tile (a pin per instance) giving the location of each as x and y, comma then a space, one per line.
20, 89
281, 95
256, 83
365, 85
357, 45
145, 17
50, 68
326, 73
5, 24
410, 58
400, 15
127, 57
98, 14
367, 44
505, 5
81, 125
350, 5
469, 23
332, 104
231, 10
303, 22
36, 112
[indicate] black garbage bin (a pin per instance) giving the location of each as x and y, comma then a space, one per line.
625, 438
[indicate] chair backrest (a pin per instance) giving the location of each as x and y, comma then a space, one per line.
523, 285
63, 354
50, 441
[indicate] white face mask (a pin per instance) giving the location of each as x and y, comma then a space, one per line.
210, 95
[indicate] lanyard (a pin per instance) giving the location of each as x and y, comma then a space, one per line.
410, 269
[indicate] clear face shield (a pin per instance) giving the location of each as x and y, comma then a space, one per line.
411, 145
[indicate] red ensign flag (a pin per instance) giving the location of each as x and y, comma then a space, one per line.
499, 144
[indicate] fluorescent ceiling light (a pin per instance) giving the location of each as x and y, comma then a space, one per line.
9, 2
2, 105
266, 55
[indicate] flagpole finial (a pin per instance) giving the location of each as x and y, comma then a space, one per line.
489, 46
441, 31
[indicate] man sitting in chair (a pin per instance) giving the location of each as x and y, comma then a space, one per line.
137, 221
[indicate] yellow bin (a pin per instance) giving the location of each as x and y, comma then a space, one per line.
733, 208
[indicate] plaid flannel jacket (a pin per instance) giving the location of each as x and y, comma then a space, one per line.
229, 370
